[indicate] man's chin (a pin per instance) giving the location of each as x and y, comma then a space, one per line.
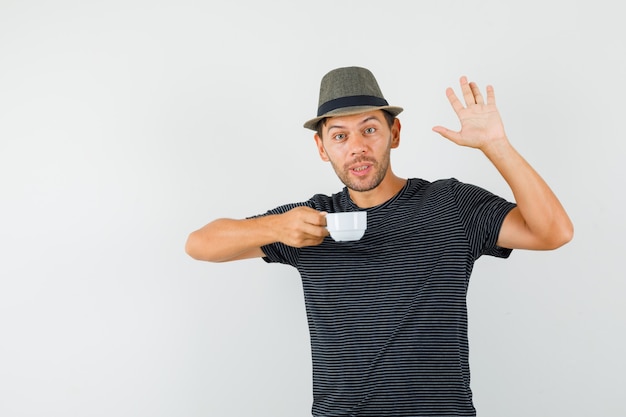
362, 186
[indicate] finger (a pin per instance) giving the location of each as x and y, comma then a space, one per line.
311, 216
315, 219
478, 97
322, 219
447, 133
468, 95
491, 95
315, 231
454, 100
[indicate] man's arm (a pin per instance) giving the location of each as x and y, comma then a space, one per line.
232, 239
539, 221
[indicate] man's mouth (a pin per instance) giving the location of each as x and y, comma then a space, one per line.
361, 170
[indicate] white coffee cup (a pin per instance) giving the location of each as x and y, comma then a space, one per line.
346, 226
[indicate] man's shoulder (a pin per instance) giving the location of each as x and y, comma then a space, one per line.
423, 186
338, 201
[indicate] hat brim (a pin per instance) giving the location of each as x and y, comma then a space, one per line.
349, 111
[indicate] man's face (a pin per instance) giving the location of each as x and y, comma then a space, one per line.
358, 147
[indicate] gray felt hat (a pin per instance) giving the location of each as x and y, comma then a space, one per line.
349, 90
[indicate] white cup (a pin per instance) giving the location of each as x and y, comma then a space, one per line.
346, 226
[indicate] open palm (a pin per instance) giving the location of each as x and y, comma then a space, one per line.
480, 120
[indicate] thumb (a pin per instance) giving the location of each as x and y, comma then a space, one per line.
447, 133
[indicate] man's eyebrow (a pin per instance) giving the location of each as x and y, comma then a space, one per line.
334, 127
362, 122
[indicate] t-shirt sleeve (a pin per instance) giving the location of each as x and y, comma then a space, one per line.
279, 252
482, 214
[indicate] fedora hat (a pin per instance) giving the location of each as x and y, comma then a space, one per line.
349, 90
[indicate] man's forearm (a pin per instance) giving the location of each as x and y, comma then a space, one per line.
542, 212
230, 239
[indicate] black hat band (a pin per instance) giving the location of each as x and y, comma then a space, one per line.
350, 101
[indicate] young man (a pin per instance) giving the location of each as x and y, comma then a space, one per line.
387, 313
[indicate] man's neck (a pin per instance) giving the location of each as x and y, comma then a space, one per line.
385, 191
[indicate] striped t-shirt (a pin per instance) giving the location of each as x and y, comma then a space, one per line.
387, 314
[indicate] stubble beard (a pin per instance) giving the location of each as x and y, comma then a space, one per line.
365, 184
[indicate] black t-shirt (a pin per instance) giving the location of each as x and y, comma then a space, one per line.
387, 313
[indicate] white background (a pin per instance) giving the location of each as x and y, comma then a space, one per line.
125, 125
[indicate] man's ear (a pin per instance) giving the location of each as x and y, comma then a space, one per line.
320, 148
395, 133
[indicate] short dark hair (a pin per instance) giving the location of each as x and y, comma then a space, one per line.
388, 117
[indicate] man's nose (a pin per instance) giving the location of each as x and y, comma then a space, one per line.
358, 145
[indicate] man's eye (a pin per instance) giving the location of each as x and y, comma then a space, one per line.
339, 136
370, 130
